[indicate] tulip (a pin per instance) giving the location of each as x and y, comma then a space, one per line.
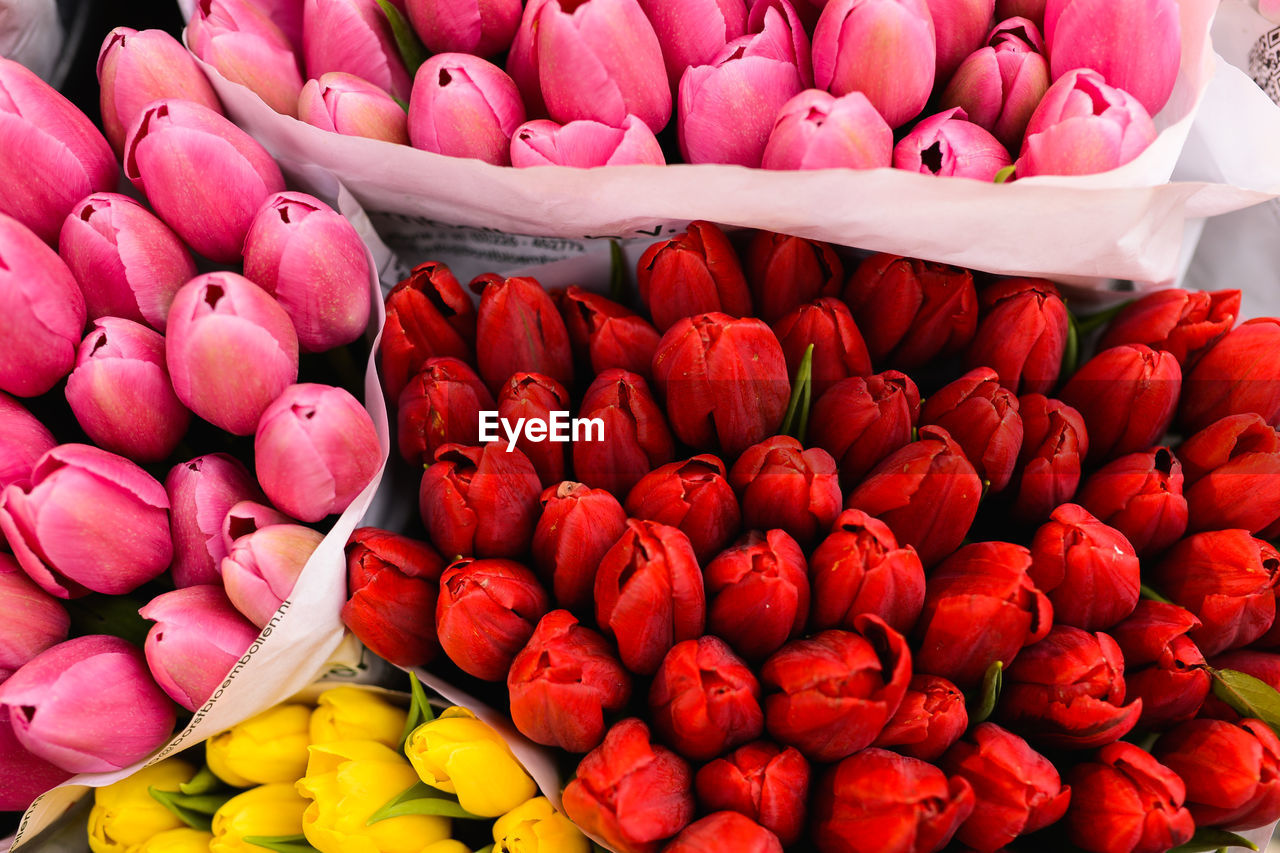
344, 103
694, 272
949, 144
1163, 667
353, 36
246, 47
1227, 579
392, 581
983, 419
880, 801
266, 811
577, 525
838, 349
45, 134
268, 748
533, 398
41, 307
1231, 472
1230, 771
693, 496
910, 311
1023, 334
927, 492
310, 258
260, 570
785, 272
1127, 396
464, 106
636, 436
860, 568
460, 755
428, 315
610, 42
861, 420
960, 26
121, 394
585, 144
783, 485
704, 699
1127, 802
479, 27
27, 776
1016, 789
1140, 495
1054, 442
522, 62
315, 450
519, 329
1088, 570
23, 440
985, 584
347, 782
128, 263
201, 492
480, 501
816, 130
486, 612
1000, 84
349, 712
649, 594
605, 334
1234, 377
534, 826
1082, 126
1186, 323
630, 792
89, 520
694, 33
562, 683
205, 177
88, 705
248, 517
832, 694
125, 814
181, 840
197, 638
136, 67
758, 593
724, 831
767, 783
765, 16
440, 405
724, 381
36, 619
930, 719
885, 49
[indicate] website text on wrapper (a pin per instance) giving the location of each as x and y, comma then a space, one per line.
559, 427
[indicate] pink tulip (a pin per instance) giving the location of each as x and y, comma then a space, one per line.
88, 705
960, 26
815, 130
121, 394
949, 144
41, 311
89, 520
1000, 85
34, 620
1083, 126
882, 48
136, 67
205, 177
263, 566
793, 30
201, 492
585, 144
315, 450
343, 103
231, 350
353, 36
478, 27
692, 32
248, 517
287, 15
23, 440
310, 258
129, 264
246, 47
464, 106
26, 776
197, 638
53, 155
522, 59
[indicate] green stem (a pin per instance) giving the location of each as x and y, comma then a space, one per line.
796, 419
1151, 595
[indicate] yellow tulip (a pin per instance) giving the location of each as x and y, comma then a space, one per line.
184, 840
268, 810
536, 827
125, 815
347, 781
349, 713
461, 755
271, 747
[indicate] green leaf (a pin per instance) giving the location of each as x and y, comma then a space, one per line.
411, 50
1151, 595
1004, 175
1071, 353
618, 281
1086, 325
989, 693
281, 843
796, 420
401, 103
1249, 696
419, 709
1207, 839
203, 782
196, 811
421, 799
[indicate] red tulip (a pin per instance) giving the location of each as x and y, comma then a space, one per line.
783, 485
1163, 667
479, 501
838, 349
428, 315
1088, 570
1232, 771
1237, 375
785, 272
577, 526
1232, 469
724, 832
391, 584
695, 272
982, 417
1183, 322
1140, 494
758, 593
534, 397
1054, 442
861, 420
1127, 396
765, 782
605, 334
519, 329
486, 613
440, 405
693, 496
1124, 801
930, 719
704, 699
860, 568
1023, 334
636, 436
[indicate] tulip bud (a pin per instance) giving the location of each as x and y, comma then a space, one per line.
263, 812
464, 106
999, 85
1016, 790
262, 567
885, 49
1163, 667
522, 62
859, 568
485, 614
23, 440
636, 436
532, 826
1184, 322
88, 520
876, 795
985, 584
704, 699
783, 485
576, 526
344, 103
585, 144
246, 47
1023, 334
391, 581
1127, 397
458, 754
861, 420
693, 496
693, 33
910, 311
268, 748
724, 832
125, 815
1125, 800
766, 783
785, 272
1231, 467
1083, 126
479, 27
42, 310
353, 36
136, 67
649, 594
27, 775
930, 719
247, 517
960, 26
440, 405
724, 382
1230, 770
1088, 570
36, 620
480, 501
1140, 494
428, 315
838, 349
201, 492
1054, 442
348, 712
205, 177
927, 492
532, 397
518, 329
758, 593
816, 130
1235, 377
949, 144
692, 273
983, 418
65, 705
181, 840
197, 638
605, 334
